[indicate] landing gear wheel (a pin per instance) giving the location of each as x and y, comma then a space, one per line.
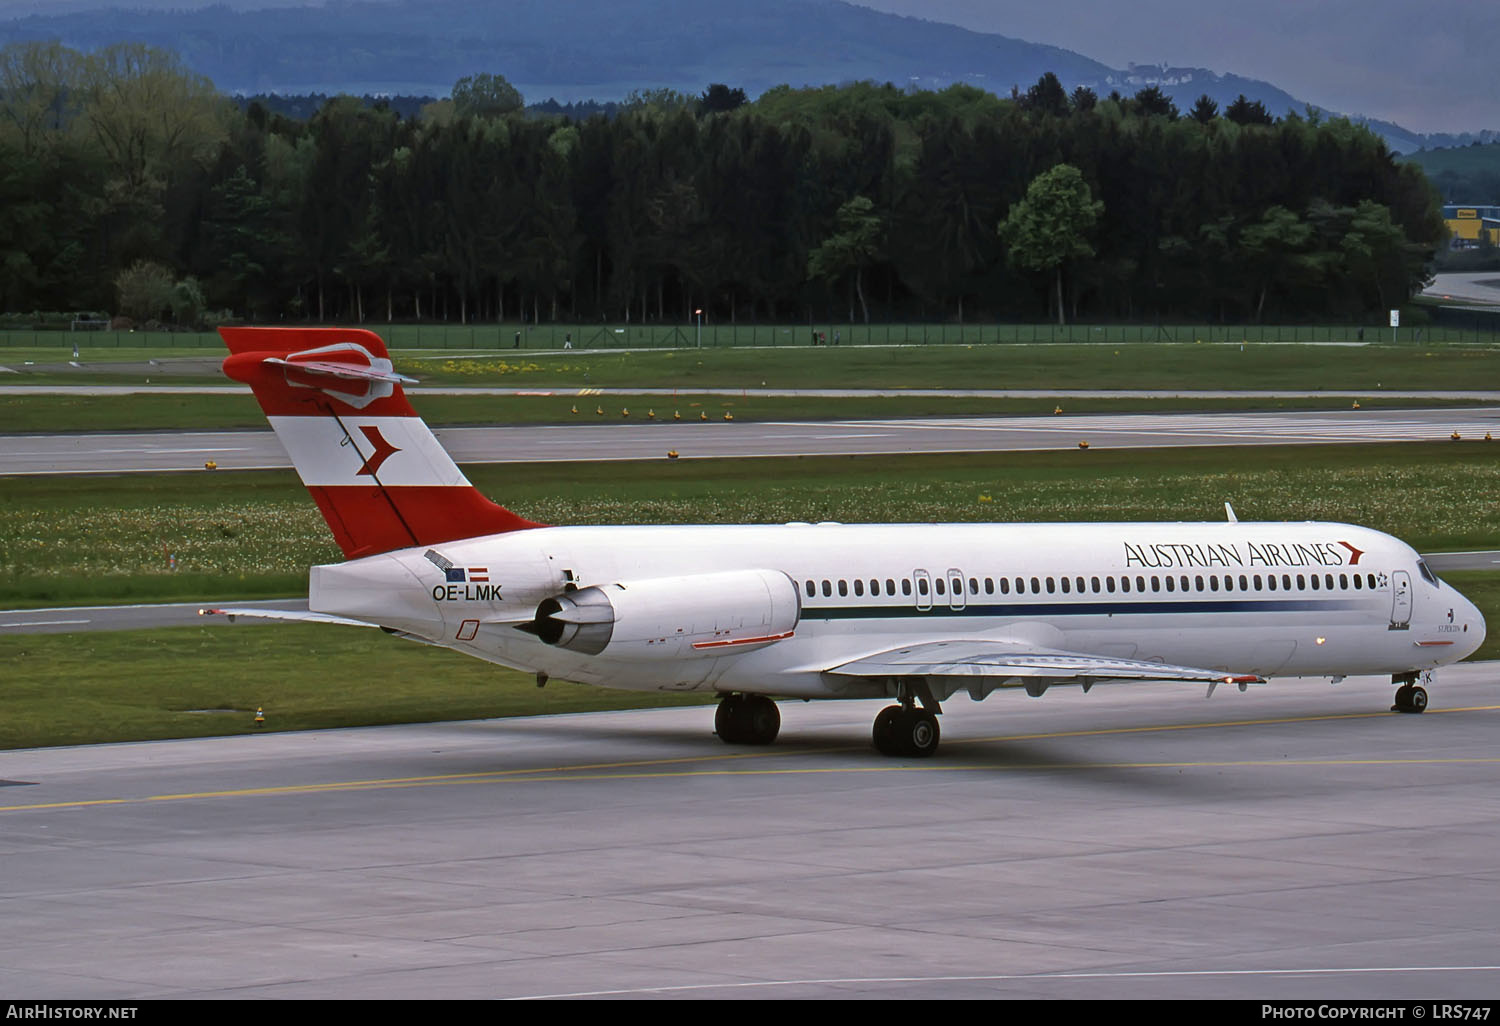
887, 727
761, 719
920, 738
728, 719
747, 720
909, 732
1410, 698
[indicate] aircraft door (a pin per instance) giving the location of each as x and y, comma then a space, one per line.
922, 580
1400, 599
956, 597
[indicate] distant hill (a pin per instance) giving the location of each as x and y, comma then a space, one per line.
1463, 174
573, 50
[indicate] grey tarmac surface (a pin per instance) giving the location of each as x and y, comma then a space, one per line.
1296, 841
244, 450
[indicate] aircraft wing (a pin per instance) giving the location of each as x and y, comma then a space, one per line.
284, 614
1022, 665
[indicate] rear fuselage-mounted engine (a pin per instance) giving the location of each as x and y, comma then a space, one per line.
693, 615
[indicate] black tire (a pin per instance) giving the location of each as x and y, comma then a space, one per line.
886, 730
1403, 699
729, 720
1417, 701
760, 720
921, 734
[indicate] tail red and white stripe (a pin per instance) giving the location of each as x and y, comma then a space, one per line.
374, 468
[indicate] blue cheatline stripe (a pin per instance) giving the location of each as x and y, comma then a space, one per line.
1084, 608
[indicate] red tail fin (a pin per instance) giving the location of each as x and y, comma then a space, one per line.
374, 468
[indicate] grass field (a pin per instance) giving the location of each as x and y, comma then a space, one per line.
245, 535
1367, 369
717, 336
58, 414
76, 540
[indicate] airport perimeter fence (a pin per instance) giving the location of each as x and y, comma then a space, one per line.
714, 336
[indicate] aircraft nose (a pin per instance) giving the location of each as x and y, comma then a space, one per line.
1474, 626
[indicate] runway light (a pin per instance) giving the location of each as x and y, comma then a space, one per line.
1356, 404
1083, 445
1057, 411
211, 465
260, 716
1321, 640
1455, 436
671, 454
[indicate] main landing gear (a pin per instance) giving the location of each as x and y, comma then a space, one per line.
905, 729
747, 720
1411, 697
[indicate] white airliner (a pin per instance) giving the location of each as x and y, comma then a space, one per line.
910, 612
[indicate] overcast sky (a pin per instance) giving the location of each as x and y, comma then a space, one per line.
1429, 66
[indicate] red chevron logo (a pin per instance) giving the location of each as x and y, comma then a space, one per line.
383, 450
1354, 553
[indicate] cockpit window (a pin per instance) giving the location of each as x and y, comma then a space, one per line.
1427, 574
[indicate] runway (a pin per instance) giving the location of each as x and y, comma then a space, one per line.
1293, 842
246, 450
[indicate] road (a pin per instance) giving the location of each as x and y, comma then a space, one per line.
246, 450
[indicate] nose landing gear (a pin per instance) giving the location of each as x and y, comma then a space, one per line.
1411, 697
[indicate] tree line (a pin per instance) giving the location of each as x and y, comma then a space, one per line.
864, 201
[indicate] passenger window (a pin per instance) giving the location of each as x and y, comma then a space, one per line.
1095, 582
1198, 580
922, 586
1244, 583
1125, 584
1228, 582
1051, 586
874, 587
1370, 580
1005, 585
1213, 582
1036, 586
973, 586
827, 589
843, 587
812, 589
989, 585
1169, 584
1257, 582
1155, 583
890, 586
1301, 583
906, 585
1109, 585
1313, 579
1067, 586
1328, 581
859, 587
1343, 582
941, 588
1357, 582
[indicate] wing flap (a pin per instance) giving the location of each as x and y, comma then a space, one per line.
1015, 660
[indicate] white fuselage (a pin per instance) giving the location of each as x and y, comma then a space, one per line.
713, 612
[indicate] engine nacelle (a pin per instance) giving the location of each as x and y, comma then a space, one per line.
692, 616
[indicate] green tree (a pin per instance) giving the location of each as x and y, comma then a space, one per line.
1050, 226
486, 96
855, 244
144, 290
